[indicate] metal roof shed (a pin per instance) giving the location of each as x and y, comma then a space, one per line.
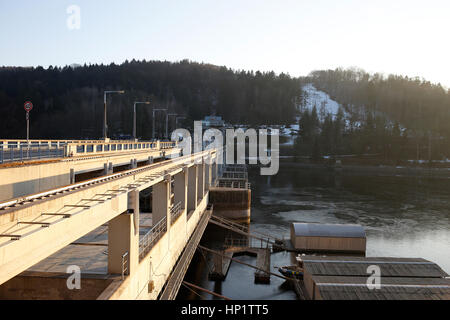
346, 278
328, 238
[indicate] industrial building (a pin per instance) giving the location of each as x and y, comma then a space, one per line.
347, 278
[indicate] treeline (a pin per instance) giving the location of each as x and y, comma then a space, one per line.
334, 136
68, 102
396, 117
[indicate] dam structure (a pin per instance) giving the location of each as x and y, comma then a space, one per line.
100, 219
231, 193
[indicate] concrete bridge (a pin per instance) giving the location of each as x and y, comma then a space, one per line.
124, 227
70, 162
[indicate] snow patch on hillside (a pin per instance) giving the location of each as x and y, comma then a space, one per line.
321, 100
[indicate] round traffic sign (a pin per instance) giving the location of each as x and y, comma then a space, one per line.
28, 106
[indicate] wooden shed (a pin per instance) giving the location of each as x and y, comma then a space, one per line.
328, 238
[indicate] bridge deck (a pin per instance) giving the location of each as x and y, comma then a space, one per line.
22, 178
80, 209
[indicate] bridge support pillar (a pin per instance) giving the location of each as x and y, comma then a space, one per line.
72, 176
133, 164
161, 201
123, 239
201, 180
213, 172
216, 170
108, 168
192, 188
208, 172
181, 188
134, 208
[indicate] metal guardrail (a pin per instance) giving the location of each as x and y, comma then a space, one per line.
233, 184
152, 237
243, 229
53, 141
234, 175
250, 242
235, 168
24, 152
20, 150
168, 145
236, 242
175, 212
96, 148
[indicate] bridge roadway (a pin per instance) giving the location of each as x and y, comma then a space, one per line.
82, 160
34, 227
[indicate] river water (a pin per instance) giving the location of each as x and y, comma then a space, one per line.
404, 216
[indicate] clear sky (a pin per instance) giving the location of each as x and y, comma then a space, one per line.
406, 37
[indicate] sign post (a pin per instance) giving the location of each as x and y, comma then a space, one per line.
28, 106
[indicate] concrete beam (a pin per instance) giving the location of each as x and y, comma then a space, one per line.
72, 176
133, 207
208, 173
25, 179
155, 268
19, 255
133, 163
181, 188
123, 245
192, 188
108, 168
215, 171
201, 180
161, 202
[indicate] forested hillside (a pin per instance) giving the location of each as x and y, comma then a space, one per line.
393, 116
68, 102
416, 104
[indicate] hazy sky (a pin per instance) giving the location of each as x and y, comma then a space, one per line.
391, 36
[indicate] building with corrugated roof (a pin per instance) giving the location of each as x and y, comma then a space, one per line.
328, 238
347, 278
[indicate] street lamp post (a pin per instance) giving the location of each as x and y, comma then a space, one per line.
154, 112
167, 122
134, 118
105, 124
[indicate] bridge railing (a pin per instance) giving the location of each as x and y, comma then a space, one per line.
233, 184
30, 152
147, 242
249, 242
21, 150
14, 143
235, 168
175, 212
89, 148
234, 175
